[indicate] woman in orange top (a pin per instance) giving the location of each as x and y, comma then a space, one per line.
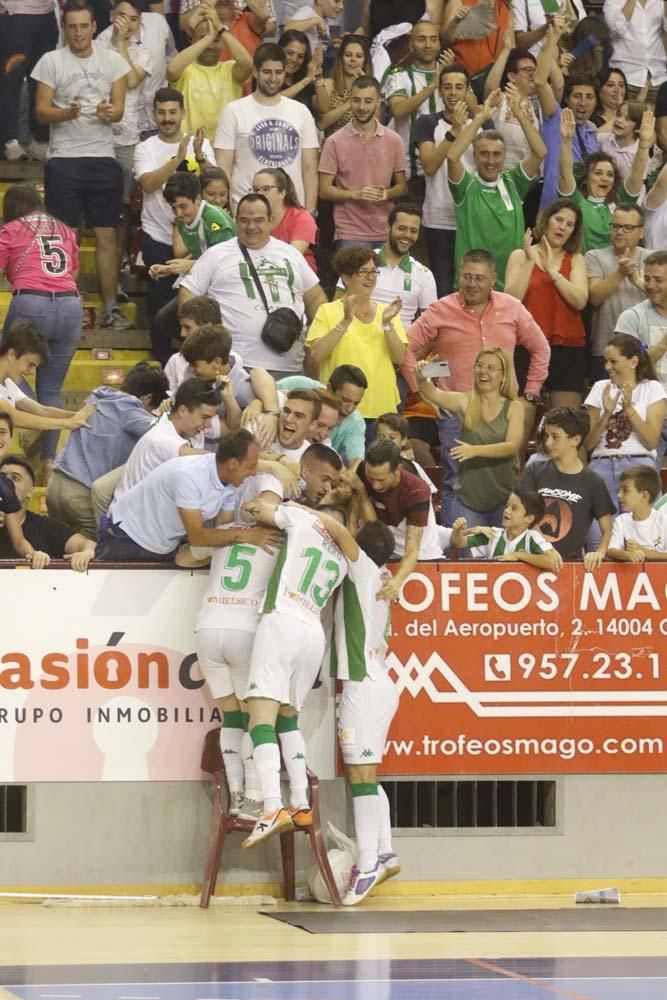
476, 54
550, 279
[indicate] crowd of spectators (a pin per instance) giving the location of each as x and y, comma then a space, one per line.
425, 244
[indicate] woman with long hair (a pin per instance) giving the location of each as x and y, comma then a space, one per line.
549, 277
627, 413
332, 100
290, 222
602, 188
40, 257
303, 69
612, 90
491, 436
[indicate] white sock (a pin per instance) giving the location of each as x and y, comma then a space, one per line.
293, 747
250, 771
385, 845
230, 746
267, 762
366, 809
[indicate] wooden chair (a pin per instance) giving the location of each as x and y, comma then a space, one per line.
222, 824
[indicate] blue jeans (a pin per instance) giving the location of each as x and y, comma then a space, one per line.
449, 429
491, 518
115, 545
609, 470
370, 244
59, 322
441, 244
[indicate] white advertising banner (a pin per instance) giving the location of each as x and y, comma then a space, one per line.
99, 679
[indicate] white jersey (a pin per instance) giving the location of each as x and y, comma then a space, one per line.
309, 568
236, 587
361, 623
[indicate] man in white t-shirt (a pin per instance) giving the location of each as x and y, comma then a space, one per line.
647, 321
266, 129
313, 19
433, 138
288, 650
301, 408
222, 273
175, 501
80, 94
155, 160
179, 432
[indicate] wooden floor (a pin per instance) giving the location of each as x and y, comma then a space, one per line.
233, 952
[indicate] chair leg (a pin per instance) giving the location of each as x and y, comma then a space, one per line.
289, 865
319, 849
216, 841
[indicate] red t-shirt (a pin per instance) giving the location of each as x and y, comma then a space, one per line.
298, 224
410, 501
242, 30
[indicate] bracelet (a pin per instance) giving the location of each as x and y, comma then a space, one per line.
319, 82
387, 327
271, 413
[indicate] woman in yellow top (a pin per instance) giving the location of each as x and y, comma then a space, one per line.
356, 330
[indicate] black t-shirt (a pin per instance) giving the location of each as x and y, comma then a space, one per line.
384, 13
9, 502
573, 502
44, 534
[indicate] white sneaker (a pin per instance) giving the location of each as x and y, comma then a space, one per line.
389, 866
250, 810
362, 883
37, 150
15, 151
235, 802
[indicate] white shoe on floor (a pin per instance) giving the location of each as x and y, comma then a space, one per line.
15, 151
37, 150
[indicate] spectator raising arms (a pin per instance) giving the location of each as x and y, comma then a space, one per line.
601, 189
40, 257
550, 279
487, 451
303, 68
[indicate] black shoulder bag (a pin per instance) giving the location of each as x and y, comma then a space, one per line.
283, 327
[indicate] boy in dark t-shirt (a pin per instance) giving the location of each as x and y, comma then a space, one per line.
574, 495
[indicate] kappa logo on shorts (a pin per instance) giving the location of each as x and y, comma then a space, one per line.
229, 750
253, 687
367, 753
299, 756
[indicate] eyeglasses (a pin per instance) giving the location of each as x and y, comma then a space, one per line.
476, 279
265, 189
526, 69
370, 274
487, 368
620, 227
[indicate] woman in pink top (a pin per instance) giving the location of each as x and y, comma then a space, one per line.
40, 257
290, 222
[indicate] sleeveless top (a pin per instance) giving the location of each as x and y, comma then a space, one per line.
560, 323
484, 483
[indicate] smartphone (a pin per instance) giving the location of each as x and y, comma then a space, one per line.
436, 369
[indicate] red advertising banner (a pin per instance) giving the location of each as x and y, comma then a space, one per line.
509, 671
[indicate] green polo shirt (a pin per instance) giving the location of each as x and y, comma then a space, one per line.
211, 225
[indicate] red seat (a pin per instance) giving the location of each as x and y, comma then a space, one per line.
222, 824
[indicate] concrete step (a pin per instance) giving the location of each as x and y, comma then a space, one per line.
21, 171
128, 340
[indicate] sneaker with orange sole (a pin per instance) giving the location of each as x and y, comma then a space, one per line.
301, 816
268, 825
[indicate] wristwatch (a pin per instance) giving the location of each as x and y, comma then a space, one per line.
530, 397
449, 136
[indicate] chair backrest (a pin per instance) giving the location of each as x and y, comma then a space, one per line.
211, 757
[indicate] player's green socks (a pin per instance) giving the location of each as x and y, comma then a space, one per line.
385, 845
366, 810
267, 762
293, 747
231, 735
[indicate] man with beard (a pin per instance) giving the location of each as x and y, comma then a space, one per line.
267, 129
399, 273
362, 170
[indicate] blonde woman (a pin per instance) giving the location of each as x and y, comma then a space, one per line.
487, 452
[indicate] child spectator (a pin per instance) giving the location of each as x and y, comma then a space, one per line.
192, 315
640, 532
574, 495
518, 540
